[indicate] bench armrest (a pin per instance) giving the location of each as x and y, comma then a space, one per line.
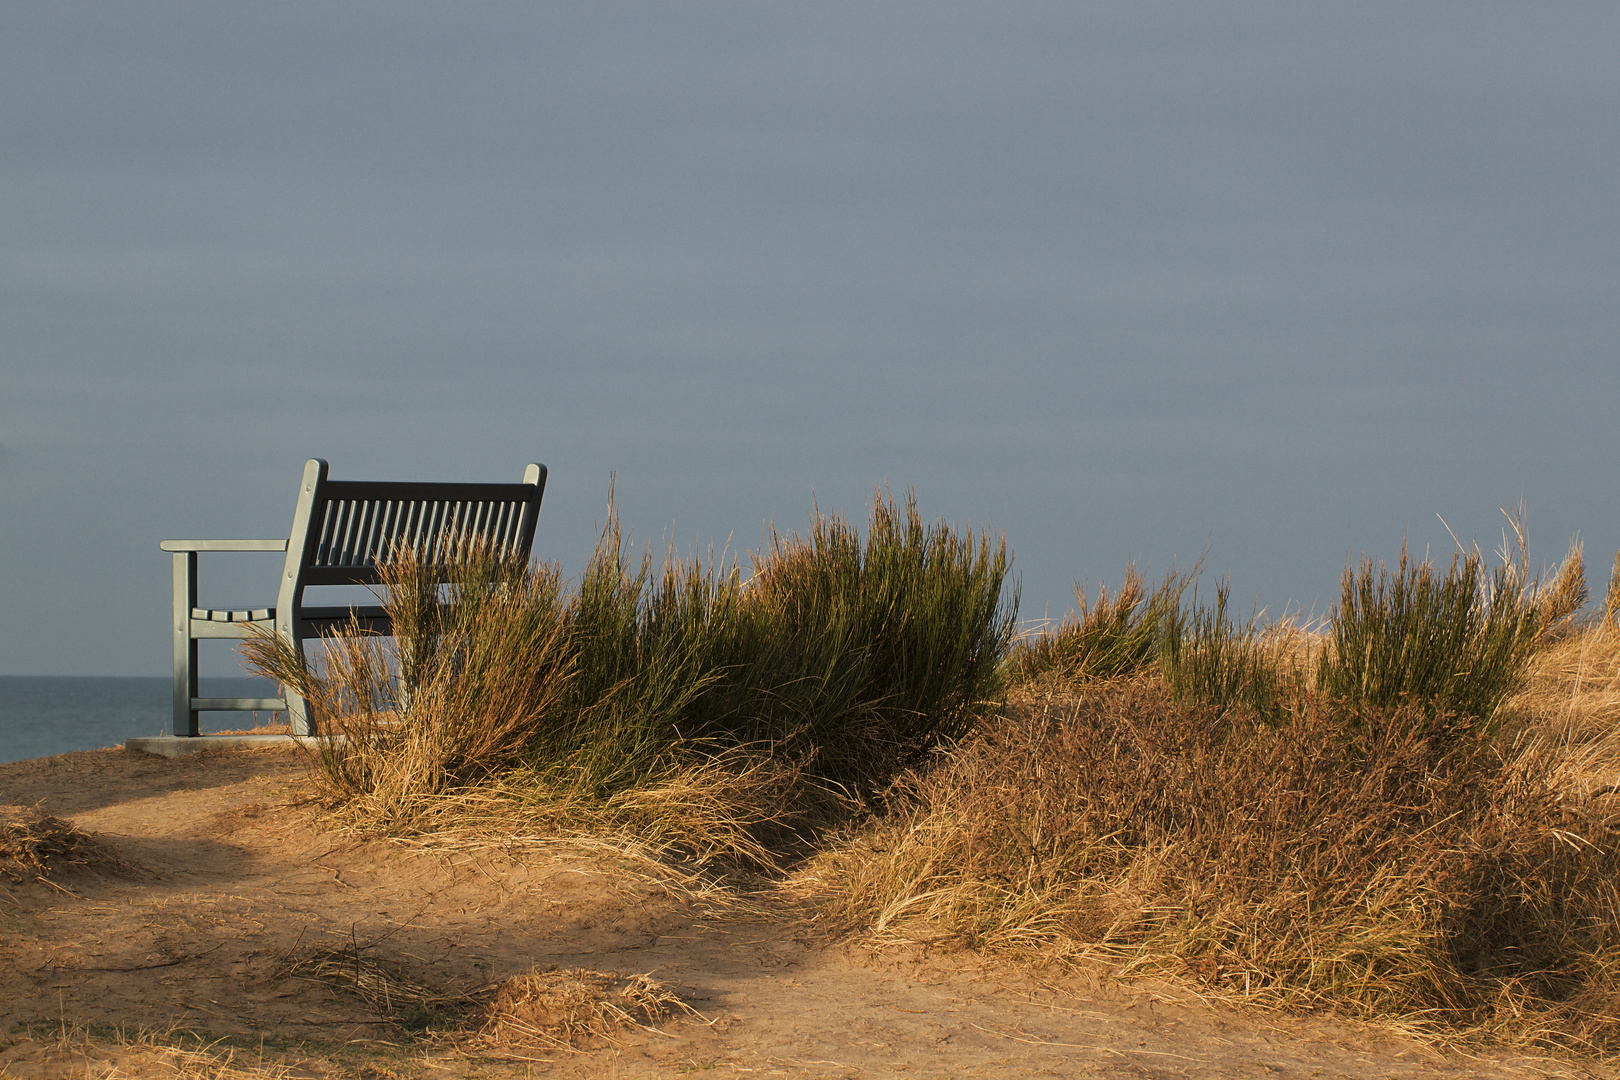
223, 545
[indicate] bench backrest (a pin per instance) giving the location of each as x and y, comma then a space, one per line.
341, 528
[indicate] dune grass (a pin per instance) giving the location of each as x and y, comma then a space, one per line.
1406, 813
1455, 643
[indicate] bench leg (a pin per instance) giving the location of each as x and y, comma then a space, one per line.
185, 688
297, 712
297, 707
185, 646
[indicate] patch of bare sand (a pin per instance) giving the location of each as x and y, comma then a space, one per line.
223, 878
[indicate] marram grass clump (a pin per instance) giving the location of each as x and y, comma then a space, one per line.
1454, 642
841, 660
1116, 636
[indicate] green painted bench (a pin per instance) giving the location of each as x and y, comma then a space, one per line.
340, 529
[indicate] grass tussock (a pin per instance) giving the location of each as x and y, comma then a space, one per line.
724, 714
1385, 862
1456, 642
472, 687
1116, 636
1210, 659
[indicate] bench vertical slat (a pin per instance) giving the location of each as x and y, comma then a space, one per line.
456, 530
413, 535
364, 533
497, 526
445, 534
356, 509
462, 517
465, 510
377, 535
340, 532
323, 537
323, 543
354, 545
515, 526
343, 553
355, 548
486, 516
436, 515
410, 528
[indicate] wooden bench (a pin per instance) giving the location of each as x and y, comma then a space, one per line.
340, 529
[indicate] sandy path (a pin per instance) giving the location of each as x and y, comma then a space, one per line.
232, 875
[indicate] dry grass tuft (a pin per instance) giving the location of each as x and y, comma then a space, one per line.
34, 846
575, 1008
1571, 698
118, 1055
479, 681
1559, 601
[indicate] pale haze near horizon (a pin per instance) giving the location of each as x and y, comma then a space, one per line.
1274, 285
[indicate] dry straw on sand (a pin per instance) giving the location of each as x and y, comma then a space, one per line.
556, 1009
38, 847
575, 1008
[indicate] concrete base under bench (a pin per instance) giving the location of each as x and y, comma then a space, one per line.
170, 746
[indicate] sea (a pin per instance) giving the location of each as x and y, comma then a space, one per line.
45, 715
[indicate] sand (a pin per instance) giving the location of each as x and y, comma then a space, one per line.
209, 878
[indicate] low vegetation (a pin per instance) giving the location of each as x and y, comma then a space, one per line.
1407, 812
688, 704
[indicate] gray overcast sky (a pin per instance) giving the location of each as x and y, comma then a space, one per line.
1279, 281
